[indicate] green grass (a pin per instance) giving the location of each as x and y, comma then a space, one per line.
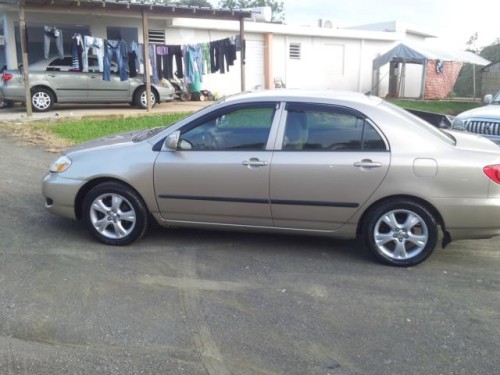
452, 108
83, 130
78, 131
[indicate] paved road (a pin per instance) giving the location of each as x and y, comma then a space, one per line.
200, 302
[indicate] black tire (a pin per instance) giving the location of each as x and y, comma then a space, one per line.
42, 100
140, 98
400, 233
115, 214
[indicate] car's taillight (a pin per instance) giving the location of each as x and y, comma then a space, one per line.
493, 172
6, 76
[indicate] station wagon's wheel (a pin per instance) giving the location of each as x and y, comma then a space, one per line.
115, 214
400, 233
141, 98
42, 100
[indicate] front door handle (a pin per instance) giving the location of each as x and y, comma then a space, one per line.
254, 162
367, 164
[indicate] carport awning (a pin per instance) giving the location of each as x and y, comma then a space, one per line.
417, 54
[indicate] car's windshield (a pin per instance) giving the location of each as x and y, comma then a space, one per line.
417, 121
496, 98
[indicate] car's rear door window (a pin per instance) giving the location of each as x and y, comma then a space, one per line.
329, 128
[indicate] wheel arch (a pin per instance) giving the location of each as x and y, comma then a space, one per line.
45, 87
93, 183
153, 90
431, 208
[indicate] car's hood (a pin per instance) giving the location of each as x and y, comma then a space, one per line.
470, 141
112, 140
488, 111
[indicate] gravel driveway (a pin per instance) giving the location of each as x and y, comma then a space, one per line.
203, 302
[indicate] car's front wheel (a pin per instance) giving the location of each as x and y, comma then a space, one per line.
141, 98
42, 100
115, 214
400, 233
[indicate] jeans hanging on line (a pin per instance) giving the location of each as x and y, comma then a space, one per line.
152, 60
97, 45
51, 33
118, 50
194, 61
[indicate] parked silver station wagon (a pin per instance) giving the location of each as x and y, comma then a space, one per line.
52, 81
326, 163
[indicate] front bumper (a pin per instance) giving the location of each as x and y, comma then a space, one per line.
60, 194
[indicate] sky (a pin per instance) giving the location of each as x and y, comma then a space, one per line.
452, 21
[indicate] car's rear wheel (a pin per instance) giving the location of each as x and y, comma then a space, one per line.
141, 98
42, 100
400, 233
115, 214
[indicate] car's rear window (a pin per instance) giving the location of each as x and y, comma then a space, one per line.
417, 121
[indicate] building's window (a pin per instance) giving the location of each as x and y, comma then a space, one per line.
127, 34
294, 51
35, 36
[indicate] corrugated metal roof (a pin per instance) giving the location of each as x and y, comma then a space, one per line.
155, 8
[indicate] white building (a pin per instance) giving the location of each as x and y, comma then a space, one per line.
301, 56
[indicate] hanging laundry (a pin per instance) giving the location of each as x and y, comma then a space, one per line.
161, 60
152, 60
174, 51
132, 58
97, 45
205, 56
139, 59
222, 55
194, 62
51, 33
76, 52
115, 49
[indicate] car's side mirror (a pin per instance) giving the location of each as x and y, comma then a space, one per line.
173, 140
488, 99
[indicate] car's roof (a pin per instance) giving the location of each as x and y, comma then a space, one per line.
43, 63
306, 95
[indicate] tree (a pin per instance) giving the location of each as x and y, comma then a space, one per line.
464, 87
277, 7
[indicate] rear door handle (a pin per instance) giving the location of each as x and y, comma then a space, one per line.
254, 162
367, 164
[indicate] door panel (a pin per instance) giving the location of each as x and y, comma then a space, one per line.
331, 161
214, 187
220, 170
69, 86
107, 91
318, 190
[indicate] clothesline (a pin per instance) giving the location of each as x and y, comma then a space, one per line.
192, 61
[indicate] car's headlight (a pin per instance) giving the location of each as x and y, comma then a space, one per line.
458, 124
61, 164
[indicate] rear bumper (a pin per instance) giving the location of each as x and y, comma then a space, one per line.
470, 218
12, 93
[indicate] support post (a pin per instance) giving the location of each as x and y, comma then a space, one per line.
424, 77
243, 53
24, 52
147, 66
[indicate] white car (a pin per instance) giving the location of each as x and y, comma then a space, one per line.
483, 120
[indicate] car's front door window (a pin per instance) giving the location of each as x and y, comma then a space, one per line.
242, 128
